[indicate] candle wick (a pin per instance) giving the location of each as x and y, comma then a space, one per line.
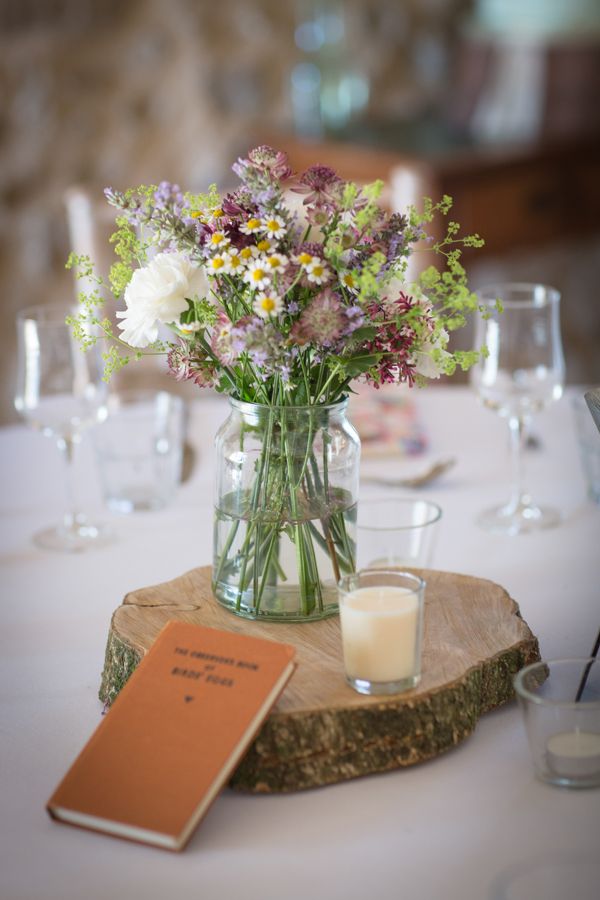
586, 671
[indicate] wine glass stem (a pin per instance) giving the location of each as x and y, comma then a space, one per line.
72, 518
518, 431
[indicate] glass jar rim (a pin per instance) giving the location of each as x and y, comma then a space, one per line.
526, 694
247, 406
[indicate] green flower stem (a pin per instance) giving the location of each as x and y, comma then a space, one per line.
259, 590
298, 531
290, 494
256, 489
345, 563
225, 552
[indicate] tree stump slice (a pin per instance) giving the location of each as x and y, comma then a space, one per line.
321, 731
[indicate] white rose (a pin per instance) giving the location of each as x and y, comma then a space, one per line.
424, 364
157, 294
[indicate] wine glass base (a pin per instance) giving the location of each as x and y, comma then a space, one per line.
519, 520
77, 539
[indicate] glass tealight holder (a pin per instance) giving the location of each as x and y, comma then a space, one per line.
381, 618
562, 719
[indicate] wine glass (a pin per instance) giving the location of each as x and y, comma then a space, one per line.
521, 374
60, 392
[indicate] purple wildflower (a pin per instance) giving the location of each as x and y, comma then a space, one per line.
313, 248
355, 316
168, 196
321, 185
398, 304
261, 340
393, 342
132, 206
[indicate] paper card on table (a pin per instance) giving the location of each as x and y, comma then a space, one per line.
387, 422
174, 735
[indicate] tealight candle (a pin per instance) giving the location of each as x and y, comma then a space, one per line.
380, 618
560, 700
574, 754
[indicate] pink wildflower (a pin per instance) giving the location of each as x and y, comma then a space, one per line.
323, 321
264, 159
321, 185
220, 342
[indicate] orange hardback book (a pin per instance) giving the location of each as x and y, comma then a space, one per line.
174, 735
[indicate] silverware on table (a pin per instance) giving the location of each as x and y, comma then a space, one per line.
435, 471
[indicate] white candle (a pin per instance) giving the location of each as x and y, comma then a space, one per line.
379, 633
574, 754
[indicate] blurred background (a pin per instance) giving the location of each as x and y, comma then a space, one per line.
495, 102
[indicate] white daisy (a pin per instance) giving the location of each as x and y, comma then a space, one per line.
252, 226
218, 239
304, 259
189, 327
247, 254
275, 263
267, 305
236, 262
273, 226
219, 264
266, 245
317, 271
257, 275
349, 281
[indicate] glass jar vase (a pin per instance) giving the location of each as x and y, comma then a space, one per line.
285, 509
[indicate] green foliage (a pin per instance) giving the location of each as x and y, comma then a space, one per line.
119, 276
357, 365
203, 202
114, 361
349, 195
373, 191
467, 358
201, 311
368, 286
430, 209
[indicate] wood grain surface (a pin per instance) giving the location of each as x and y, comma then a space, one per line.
322, 731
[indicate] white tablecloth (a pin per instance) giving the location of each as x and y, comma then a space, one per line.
473, 824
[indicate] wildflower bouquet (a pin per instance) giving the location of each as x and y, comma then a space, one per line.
282, 294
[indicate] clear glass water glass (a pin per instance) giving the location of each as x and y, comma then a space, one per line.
61, 393
521, 372
396, 532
